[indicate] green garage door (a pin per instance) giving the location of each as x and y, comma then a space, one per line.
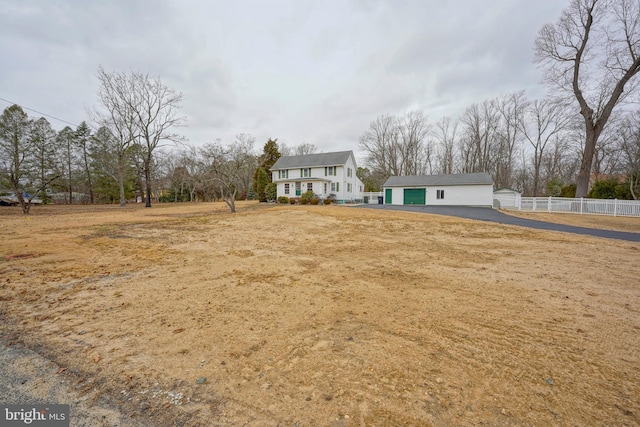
414, 196
387, 196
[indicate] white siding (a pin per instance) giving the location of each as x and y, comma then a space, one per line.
454, 195
508, 198
318, 179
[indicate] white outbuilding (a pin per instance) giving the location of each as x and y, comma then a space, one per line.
507, 198
464, 189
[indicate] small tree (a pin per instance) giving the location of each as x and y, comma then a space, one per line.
269, 156
271, 191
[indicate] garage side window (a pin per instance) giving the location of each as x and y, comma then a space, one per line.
439, 194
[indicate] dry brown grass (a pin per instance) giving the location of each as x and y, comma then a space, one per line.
326, 315
618, 223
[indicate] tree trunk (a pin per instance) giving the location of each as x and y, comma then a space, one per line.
123, 201
25, 205
147, 181
582, 182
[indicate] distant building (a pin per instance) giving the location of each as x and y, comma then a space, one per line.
465, 189
325, 174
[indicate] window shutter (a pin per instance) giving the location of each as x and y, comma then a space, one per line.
337, 186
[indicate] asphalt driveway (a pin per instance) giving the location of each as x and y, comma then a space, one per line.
493, 215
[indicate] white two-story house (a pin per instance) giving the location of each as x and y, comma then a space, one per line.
323, 173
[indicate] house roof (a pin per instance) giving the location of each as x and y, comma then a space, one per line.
312, 160
439, 180
506, 190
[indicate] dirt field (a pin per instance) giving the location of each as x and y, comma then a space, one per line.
326, 315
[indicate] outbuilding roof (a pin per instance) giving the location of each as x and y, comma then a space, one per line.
480, 178
312, 160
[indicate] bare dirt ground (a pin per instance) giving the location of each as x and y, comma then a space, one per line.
325, 315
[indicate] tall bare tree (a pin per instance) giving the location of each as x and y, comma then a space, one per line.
479, 139
510, 108
416, 151
117, 126
380, 144
543, 122
593, 52
445, 135
143, 111
630, 148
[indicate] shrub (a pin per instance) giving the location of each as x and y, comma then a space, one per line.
306, 197
271, 191
327, 201
315, 201
568, 191
283, 199
292, 201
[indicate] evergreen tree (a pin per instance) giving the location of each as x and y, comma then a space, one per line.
262, 175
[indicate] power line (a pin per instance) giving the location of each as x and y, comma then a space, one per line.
38, 112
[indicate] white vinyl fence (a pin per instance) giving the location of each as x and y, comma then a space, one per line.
373, 197
612, 207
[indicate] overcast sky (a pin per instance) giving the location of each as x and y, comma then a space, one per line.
301, 71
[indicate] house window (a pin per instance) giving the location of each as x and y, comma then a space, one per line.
325, 188
329, 171
439, 194
348, 188
335, 186
286, 189
309, 186
283, 174
305, 172
349, 172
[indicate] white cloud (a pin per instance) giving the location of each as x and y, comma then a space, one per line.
302, 71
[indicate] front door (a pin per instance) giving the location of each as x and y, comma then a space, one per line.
298, 188
387, 196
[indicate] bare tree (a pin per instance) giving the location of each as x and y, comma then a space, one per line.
630, 148
593, 52
142, 111
118, 127
155, 106
380, 144
304, 149
230, 167
478, 144
416, 152
543, 122
398, 145
445, 135
510, 108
